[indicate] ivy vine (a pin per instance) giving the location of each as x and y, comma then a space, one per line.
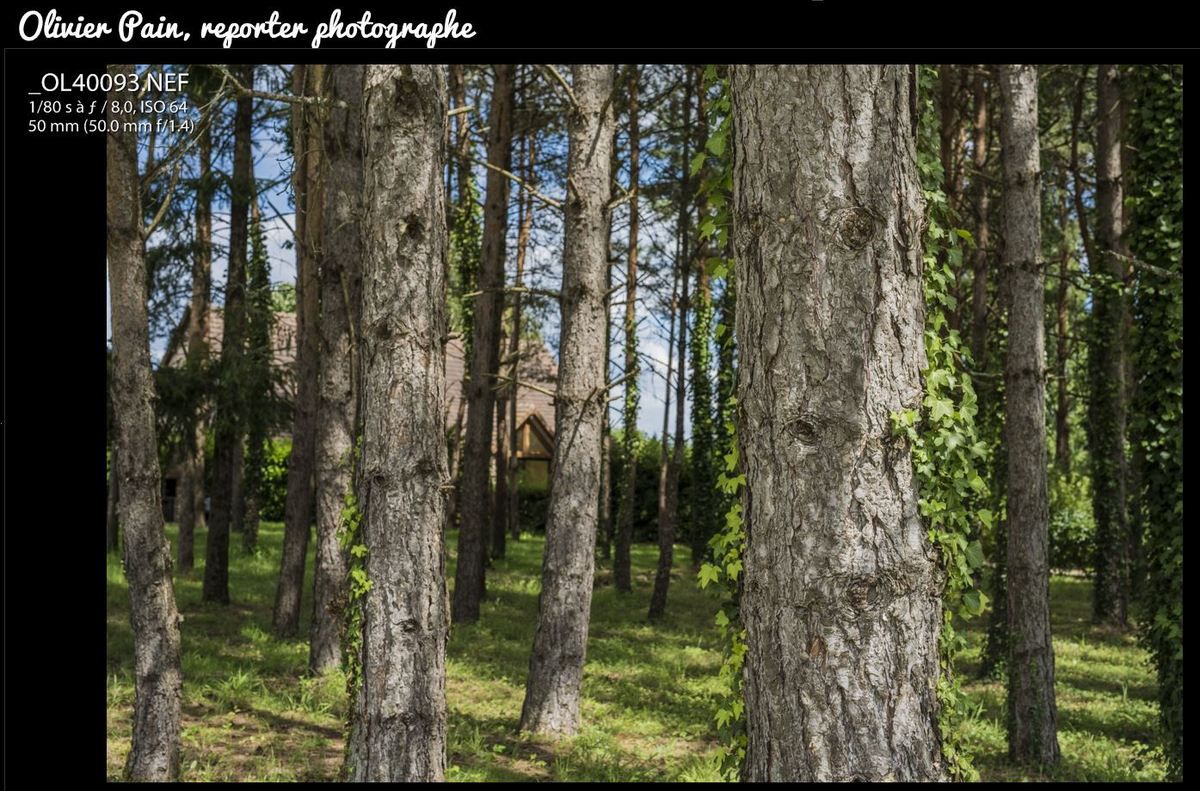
1156, 239
726, 545
947, 453
350, 539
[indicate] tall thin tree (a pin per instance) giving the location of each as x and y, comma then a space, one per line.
191, 483
1107, 361
310, 194
629, 436
669, 515
154, 754
399, 719
260, 319
552, 691
1032, 713
340, 261
474, 498
524, 230
227, 451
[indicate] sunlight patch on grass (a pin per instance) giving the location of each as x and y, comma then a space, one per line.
252, 712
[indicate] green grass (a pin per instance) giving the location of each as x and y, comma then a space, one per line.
252, 713
1105, 689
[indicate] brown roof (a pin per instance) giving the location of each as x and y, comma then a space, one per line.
283, 339
536, 366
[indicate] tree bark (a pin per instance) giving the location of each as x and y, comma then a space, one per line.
842, 591
474, 498
1032, 732
310, 198
400, 722
340, 260
455, 453
154, 754
525, 228
1062, 348
979, 186
668, 517
260, 319
1108, 362
228, 441
552, 691
112, 530
666, 531
703, 495
191, 483
499, 517
625, 511
237, 516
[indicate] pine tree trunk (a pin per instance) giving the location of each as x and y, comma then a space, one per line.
455, 453
669, 514
979, 159
1107, 363
702, 496
1062, 348
260, 319
191, 484
154, 754
500, 500
666, 531
400, 719
310, 198
112, 530
1032, 733
629, 443
604, 514
607, 526
190, 500
475, 500
841, 598
560, 643
228, 440
340, 261
237, 518
525, 227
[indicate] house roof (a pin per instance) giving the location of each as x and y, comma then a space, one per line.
283, 339
536, 366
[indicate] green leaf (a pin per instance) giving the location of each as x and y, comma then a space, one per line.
708, 573
716, 144
975, 554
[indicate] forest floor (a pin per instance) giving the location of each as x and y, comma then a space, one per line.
252, 713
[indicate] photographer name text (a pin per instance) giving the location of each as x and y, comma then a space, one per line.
134, 26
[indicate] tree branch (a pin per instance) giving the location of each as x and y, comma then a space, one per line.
518, 181
162, 209
505, 380
554, 73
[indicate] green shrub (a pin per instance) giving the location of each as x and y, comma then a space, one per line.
274, 480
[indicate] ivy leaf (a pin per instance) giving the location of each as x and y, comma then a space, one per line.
708, 573
972, 602
716, 144
975, 554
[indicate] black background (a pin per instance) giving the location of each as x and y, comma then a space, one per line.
54, 259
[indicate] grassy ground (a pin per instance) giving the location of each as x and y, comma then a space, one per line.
251, 713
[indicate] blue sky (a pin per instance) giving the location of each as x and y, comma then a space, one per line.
543, 263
